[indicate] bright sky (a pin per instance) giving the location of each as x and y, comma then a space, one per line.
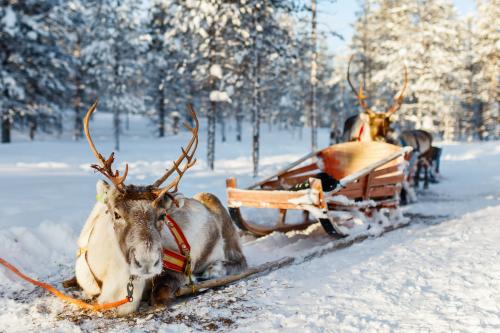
339, 15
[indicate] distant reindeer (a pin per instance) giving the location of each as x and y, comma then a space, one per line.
123, 241
373, 126
370, 125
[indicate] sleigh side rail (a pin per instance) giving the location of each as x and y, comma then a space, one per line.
380, 179
310, 200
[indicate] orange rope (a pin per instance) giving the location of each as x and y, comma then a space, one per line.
77, 302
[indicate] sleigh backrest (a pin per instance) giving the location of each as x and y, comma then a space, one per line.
347, 158
338, 161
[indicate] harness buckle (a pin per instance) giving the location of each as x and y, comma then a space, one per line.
187, 270
130, 290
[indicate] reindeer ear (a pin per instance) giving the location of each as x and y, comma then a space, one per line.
172, 203
102, 189
179, 198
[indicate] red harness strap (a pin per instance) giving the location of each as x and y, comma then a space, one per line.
177, 261
362, 128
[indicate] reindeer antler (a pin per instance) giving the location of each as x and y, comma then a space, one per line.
360, 96
186, 156
398, 101
105, 167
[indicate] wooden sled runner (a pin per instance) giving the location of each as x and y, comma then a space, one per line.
358, 175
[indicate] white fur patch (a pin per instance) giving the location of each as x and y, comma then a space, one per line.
85, 277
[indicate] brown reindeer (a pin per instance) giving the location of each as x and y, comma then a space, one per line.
370, 126
373, 126
122, 242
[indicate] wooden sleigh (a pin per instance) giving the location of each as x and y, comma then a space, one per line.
364, 172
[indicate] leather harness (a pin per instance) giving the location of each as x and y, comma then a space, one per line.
177, 261
172, 260
361, 129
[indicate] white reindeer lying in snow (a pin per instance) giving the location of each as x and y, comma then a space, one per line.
125, 235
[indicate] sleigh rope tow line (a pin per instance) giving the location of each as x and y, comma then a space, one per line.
81, 304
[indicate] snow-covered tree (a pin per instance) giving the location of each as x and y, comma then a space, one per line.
206, 29
424, 35
488, 50
74, 21
469, 120
114, 57
33, 67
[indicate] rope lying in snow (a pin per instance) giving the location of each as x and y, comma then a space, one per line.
54, 291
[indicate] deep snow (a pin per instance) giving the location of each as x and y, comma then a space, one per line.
439, 274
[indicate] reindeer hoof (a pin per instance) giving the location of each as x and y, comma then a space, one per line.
162, 295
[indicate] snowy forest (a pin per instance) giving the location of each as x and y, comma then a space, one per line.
338, 170
259, 61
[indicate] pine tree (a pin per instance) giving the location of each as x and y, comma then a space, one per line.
487, 48
164, 59
114, 58
425, 36
469, 121
364, 44
33, 68
74, 20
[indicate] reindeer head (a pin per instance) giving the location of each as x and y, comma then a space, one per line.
137, 212
379, 122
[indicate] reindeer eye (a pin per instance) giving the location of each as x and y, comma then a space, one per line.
137, 263
157, 262
117, 216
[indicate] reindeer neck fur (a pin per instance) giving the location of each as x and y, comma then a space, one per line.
379, 124
120, 234
201, 228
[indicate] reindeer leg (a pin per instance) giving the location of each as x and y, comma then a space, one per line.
417, 174
426, 175
403, 197
165, 286
71, 283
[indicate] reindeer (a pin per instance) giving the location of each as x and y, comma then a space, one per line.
123, 241
373, 126
370, 126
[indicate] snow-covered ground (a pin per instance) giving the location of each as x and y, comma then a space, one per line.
440, 274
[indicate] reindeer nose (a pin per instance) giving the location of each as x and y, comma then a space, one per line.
151, 267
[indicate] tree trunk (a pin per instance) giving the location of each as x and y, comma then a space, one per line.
239, 120
161, 112
211, 134
78, 126
6, 126
116, 109
312, 115
212, 112
116, 128
256, 100
223, 127
32, 127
